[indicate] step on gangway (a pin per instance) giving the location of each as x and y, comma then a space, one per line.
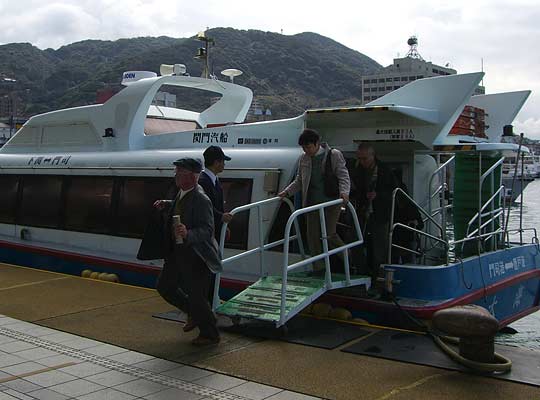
276, 299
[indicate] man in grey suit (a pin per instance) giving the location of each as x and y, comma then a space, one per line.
185, 279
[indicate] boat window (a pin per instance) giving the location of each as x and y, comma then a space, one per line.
158, 126
237, 192
88, 204
8, 200
135, 200
40, 205
184, 98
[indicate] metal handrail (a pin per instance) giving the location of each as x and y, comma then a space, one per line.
501, 188
436, 172
494, 215
410, 228
478, 215
489, 221
261, 248
393, 225
325, 254
477, 237
520, 231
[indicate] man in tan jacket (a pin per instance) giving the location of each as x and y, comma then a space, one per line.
310, 179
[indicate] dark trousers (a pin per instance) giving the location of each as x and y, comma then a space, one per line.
184, 282
375, 248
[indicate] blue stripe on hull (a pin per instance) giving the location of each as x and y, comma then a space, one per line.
59, 264
463, 278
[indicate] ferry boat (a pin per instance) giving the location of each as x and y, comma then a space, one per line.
79, 185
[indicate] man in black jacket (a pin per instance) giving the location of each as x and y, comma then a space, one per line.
374, 183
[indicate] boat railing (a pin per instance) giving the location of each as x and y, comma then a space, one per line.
286, 268
493, 215
394, 225
521, 231
262, 247
440, 191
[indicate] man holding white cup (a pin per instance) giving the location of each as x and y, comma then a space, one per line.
192, 251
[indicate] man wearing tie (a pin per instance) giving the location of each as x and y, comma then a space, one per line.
214, 164
192, 253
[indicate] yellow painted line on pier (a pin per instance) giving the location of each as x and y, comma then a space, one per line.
36, 372
34, 283
365, 324
75, 276
414, 385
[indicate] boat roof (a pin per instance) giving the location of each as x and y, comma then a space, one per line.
420, 114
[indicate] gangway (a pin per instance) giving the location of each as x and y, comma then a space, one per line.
276, 299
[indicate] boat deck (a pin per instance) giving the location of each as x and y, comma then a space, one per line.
63, 336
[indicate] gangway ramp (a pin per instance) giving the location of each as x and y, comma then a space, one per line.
269, 299
262, 300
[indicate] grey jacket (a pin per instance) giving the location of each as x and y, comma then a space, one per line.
303, 175
198, 217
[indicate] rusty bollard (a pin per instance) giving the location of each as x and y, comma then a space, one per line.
474, 326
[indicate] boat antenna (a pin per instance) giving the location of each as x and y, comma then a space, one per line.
482, 68
203, 53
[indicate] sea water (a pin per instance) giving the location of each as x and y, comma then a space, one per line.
528, 328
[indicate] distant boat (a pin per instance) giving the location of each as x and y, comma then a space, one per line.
525, 172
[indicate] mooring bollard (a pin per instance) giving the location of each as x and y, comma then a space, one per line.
474, 326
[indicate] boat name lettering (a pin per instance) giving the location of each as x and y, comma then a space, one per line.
210, 137
500, 268
519, 296
399, 133
49, 160
257, 140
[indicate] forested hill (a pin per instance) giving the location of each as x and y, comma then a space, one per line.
287, 73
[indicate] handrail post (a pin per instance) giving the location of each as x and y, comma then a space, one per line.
284, 270
521, 202
480, 180
438, 171
261, 242
391, 227
324, 237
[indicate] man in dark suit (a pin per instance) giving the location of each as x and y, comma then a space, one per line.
214, 164
192, 253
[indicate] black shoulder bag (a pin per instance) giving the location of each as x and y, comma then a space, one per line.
331, 183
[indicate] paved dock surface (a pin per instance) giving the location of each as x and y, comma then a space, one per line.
62, 335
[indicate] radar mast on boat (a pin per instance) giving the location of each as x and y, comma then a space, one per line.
203, 53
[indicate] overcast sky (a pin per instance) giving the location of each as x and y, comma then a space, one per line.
505, 34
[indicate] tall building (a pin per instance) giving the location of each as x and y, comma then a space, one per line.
401, 72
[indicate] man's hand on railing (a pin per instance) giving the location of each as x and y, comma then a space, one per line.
345, 198
282, 194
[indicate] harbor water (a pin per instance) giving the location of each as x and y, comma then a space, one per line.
528, 328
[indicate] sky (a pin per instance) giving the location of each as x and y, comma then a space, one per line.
502, 36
